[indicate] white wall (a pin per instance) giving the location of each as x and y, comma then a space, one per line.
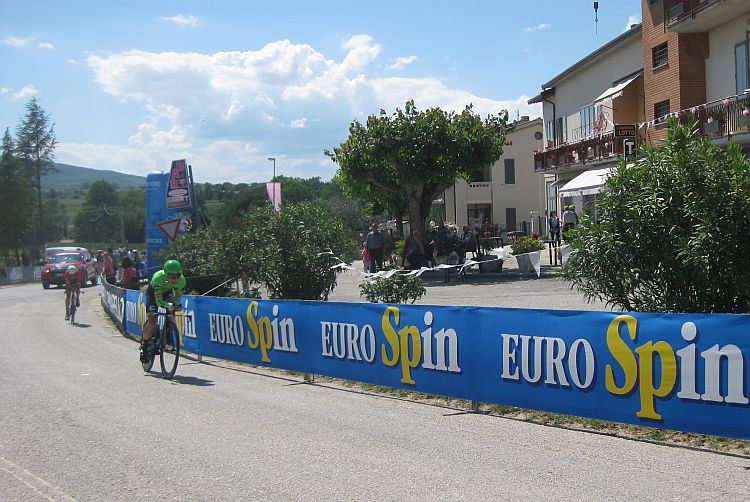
581, 87
527, 194
720, 81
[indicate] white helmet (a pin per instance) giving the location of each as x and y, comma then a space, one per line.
72, 269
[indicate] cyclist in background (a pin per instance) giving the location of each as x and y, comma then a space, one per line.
73, 279
166, 287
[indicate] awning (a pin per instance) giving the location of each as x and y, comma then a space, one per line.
616, 90
587, 183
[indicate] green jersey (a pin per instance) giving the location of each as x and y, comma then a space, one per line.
163, 288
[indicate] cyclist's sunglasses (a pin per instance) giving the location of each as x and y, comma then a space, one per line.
173, 276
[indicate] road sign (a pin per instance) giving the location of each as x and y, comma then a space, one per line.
170, 228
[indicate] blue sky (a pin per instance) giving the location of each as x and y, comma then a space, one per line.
132, 85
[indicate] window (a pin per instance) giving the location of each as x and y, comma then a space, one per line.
550, 133
741, 67
661, 108
660, 55
587, 121
510, 219
482, 176
510, 171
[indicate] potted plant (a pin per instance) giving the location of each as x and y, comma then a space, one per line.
715, 121
489, 262
523, 248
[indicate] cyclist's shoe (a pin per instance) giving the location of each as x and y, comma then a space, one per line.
78, 302
144, 354
67, 316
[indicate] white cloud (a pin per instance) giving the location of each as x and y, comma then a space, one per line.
227, 111
12, 41
401, 63
181, 20
631, 21
45, 45
26, 92
538, 27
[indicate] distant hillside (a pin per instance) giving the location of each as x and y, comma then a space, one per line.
75, 176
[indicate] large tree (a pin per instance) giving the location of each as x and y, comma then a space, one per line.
671, 233
36, 147
416, 155
99, 217
17, 198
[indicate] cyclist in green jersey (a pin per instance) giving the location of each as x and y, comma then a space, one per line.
166, 287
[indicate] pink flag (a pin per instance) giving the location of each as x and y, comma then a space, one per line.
274, 193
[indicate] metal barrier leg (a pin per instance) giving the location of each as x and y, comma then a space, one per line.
309, 378
474, 406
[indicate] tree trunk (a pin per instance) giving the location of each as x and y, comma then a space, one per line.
416, 217
399, 217
39, 199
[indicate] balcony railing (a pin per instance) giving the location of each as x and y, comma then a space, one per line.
677, 10
479, 192
722, 119
593, 149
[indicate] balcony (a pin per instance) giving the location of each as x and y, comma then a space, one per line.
724, 121
573, 156
479, 192
696, 16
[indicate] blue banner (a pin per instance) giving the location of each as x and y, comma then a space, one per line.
675, 371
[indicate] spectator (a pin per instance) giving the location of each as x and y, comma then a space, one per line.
466, 242
569, 220
365, 257
129, 279
554, 228
375, 243
109, 268
415, 253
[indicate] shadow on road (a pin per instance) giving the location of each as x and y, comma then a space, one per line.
185, 380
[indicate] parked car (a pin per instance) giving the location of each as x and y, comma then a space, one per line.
57, 260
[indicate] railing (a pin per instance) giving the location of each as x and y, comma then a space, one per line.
720, 118
677, 10
592, 149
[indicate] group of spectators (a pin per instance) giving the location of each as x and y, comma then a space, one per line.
128, 265
559, 227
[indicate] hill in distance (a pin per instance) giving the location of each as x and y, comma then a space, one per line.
76, 176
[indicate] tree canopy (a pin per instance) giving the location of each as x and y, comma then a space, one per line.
413, 156
17, 196
672, 231
35, 145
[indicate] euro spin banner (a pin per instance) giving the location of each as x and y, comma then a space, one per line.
675, 371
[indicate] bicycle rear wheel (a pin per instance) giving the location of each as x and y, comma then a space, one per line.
169, 343
150, 362
72, 313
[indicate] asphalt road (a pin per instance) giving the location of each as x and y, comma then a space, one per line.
80, 420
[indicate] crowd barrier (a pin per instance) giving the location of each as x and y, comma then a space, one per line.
682, 372
16, 275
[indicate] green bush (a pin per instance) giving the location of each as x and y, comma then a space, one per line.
526, 244
672, 231
398, 288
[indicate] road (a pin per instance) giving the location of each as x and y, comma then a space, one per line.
81, 421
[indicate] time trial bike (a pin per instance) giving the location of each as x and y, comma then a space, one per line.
166, 344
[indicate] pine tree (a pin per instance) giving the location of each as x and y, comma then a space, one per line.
36, 147
17, 198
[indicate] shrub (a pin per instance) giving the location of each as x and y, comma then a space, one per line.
398, 288
526, 245
672, 232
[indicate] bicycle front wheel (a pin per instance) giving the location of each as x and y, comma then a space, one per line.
169, 343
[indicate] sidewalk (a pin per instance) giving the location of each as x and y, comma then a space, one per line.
509, 288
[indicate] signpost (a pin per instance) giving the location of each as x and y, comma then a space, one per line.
170, 207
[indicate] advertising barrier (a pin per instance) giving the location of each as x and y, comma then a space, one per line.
675, 371
113, 301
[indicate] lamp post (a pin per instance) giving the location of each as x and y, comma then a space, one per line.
273, 187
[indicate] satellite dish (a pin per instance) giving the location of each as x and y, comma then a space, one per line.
537, 135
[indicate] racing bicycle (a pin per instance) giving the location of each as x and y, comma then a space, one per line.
166, 344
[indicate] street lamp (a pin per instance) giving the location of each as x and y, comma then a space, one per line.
273, 187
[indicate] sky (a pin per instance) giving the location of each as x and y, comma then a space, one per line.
132, 85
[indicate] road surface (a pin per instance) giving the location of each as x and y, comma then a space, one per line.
81, 421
